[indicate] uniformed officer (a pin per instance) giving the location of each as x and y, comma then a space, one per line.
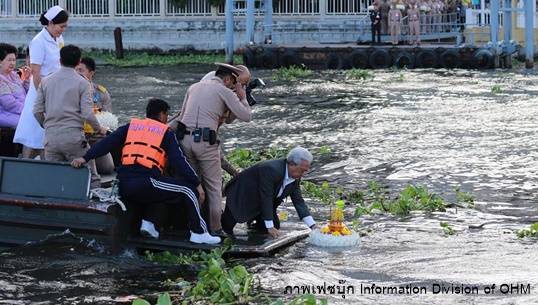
148, 145
384, 8
375, 18
62, 105
414, 24
395, 19
243, 79
204, 107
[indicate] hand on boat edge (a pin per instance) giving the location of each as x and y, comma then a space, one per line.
78, 162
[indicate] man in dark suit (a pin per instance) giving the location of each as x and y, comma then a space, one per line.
256, 192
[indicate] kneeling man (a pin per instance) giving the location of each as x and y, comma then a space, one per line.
256, 192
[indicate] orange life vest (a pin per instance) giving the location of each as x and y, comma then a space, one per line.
142, 145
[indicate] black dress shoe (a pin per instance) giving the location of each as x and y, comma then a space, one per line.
220, 233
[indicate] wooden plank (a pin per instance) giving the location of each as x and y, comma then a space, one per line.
244, 243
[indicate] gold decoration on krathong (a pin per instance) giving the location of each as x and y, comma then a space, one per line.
336, 226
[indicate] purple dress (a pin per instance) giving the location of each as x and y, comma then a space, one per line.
12, 94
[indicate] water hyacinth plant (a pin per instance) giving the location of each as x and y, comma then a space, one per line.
146, 59
291, 73
447, 229
496, 89
358, 74
463, 197
531, 232
217, 283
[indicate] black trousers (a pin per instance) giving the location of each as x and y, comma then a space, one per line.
228, 221
376, 28
142, 191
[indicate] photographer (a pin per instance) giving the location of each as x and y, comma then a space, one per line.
244, 79
204, 109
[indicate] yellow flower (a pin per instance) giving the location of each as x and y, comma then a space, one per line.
325, 229
346, 231
336, 233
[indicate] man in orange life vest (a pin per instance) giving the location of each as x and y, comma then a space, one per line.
147, 145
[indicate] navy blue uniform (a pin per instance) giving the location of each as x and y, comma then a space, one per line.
142, 185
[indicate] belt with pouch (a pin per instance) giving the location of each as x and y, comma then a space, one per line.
204, 134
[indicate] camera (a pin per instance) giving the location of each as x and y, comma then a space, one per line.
253, 84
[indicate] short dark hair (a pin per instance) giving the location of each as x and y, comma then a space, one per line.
70, 55
222, 72
88, 62
6, 49
62, 17
156, 106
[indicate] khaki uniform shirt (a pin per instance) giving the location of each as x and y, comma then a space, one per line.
414, 14
395, 16
64, 101
207, 101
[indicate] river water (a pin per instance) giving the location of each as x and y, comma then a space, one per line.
438, 128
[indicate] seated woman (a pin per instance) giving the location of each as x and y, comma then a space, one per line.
12, 87
101, 102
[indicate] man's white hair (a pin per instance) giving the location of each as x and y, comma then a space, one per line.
299, 154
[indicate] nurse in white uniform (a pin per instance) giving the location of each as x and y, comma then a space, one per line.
44, 60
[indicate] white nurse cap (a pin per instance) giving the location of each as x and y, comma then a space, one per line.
53, 12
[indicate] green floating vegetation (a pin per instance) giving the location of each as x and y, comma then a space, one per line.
306, 299
496, 89
217, 283
291, 73
374, 200
164, 299
464, 197
447, 229
401, 77
322, 192
532, 231
243, 158
145, 59
358, 74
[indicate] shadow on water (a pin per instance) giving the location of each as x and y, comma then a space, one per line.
442, 129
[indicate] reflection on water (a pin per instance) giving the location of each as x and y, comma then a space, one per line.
439, 128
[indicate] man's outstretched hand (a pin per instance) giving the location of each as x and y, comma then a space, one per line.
78, 162
201, 194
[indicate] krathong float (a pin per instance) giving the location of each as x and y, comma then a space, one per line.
335, 233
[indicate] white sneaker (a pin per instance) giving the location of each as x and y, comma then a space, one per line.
147, 229
204, 238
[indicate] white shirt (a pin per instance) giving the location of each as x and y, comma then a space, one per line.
45, 51
288, 180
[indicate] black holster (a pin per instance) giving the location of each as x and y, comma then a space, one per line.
181, 130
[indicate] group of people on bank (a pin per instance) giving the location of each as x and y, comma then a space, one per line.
160, 162
423, 16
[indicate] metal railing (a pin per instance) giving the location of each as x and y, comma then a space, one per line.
137, 8
6, 8
32, 8
191, 8
280, 7
163, 8
296, 7
88, 8
478, 18
347, 7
